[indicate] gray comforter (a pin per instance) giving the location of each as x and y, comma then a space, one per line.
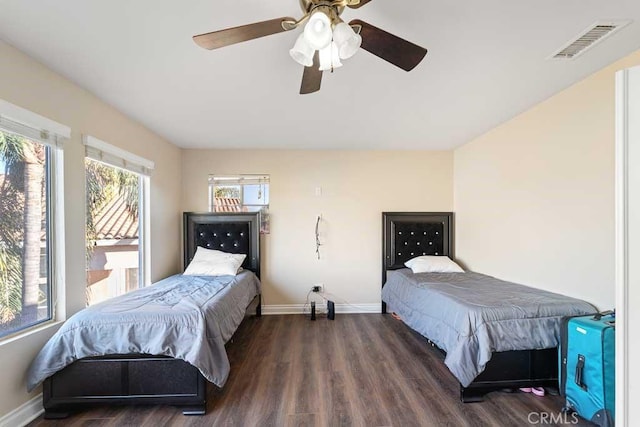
470, 315
186, 317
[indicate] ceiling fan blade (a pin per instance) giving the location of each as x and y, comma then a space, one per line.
359, 4
222, 38
312, 77
393, 49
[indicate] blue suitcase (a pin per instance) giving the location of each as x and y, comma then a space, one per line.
587, 366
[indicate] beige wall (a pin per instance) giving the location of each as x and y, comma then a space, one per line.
30, 85
356, 187
534, 197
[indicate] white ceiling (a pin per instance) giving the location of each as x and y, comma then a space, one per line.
487, 62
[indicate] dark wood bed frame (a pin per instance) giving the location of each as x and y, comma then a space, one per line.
151, 379
409, 234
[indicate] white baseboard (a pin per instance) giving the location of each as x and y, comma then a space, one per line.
340, 308
24, 413
284, 309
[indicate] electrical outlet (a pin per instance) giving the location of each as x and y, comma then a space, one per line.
317, 287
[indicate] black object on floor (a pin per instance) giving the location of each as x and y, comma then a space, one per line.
313, 310
331, 310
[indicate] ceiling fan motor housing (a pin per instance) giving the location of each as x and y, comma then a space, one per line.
308, 5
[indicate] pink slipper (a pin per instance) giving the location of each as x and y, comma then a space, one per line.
538, 391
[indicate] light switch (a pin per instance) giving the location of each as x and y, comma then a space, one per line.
318, 191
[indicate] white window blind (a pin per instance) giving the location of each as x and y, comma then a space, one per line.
114, 156
23, 122
239, 180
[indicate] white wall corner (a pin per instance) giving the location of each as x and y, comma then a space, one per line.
23, 414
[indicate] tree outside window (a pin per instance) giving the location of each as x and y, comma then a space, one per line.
25, 292
113, 231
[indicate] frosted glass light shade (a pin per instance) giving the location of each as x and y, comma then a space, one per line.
347, 40
329, 58
318, 32
302, 52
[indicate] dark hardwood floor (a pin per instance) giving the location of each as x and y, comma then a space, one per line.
359, 370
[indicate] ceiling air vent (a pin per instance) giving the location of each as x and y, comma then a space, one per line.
588, 39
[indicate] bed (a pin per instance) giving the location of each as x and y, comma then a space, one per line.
491, 333
173, 341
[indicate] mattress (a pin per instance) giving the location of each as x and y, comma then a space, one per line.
185, 317
471, 315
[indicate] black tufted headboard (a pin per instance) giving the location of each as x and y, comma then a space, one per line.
406, 235
237, 233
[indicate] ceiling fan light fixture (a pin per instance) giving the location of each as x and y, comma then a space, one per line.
318, 32
302, 52
347, 40
326, 39
329, 58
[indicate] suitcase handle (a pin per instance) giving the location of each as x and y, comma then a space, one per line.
600, 315
579, 369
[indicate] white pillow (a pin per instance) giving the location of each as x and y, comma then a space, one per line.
433, 264
208, 262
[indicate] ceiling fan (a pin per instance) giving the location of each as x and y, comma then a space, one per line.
326, 39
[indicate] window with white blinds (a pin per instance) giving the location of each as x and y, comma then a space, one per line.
241, 193
31, 218
123, 195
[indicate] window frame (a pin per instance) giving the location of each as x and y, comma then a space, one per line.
19, 121
112, 156
235, 180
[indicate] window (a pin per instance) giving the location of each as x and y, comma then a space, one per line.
30, 230
116, 215
241, 193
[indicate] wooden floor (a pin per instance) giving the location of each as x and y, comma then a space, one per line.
359, 370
